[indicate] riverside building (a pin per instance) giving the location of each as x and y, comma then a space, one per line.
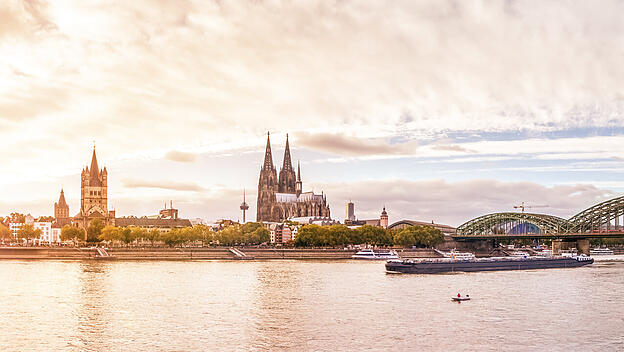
282, 198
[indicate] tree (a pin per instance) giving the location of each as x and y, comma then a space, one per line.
5, 233
260, 235
153, 235
405, 237
340, 235
71, 233
94, 230
110, 234
28, 232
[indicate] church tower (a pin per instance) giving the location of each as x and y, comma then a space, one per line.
287, 178
61, 209
298, 185
93, 190
267, 186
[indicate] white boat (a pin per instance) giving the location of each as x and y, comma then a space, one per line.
375, 255
459, 255
519, 254
601, 251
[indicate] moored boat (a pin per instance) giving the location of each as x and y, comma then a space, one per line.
376, 254
442, 265
601, 251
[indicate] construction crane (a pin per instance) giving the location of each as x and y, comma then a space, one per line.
522, 206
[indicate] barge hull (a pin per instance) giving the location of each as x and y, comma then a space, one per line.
471, 266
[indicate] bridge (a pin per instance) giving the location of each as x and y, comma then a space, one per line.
602, 220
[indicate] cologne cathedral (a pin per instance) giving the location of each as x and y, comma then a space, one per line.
282, 198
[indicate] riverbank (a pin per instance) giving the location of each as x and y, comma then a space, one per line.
210, 253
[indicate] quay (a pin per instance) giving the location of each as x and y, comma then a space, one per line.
205, 253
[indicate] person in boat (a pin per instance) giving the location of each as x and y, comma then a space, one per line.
458, 295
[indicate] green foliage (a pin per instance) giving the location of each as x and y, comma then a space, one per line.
28, 232
69, 233
94, 230
5, 233
421, 236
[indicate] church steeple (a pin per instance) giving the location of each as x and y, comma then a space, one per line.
94, 173
298, 184
268, 157
287, 165
62, 202
61, 209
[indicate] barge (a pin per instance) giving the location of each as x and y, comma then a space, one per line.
445, 265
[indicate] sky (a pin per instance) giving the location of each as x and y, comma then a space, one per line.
438, 110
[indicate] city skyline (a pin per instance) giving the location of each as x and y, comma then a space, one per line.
458, 120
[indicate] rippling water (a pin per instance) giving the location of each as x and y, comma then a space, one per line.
298, 306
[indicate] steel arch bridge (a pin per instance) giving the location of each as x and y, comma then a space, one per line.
602, 217
605, 219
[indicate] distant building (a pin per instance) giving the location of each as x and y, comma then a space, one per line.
162, 225
61, 209
170, 213
281, 233
381, 222
315, 220
447, 230
14, 227
94, 196
167, 219
350, 211
49, 233
283, 198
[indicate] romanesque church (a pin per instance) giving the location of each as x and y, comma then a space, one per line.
282, 198
94, 196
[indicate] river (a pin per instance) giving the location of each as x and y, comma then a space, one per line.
48, 305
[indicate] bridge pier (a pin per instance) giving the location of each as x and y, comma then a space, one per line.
581, 245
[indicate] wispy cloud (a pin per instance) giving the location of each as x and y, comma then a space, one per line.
182, 157
351, 146
169, 185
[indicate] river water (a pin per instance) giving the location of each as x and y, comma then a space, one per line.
304, 306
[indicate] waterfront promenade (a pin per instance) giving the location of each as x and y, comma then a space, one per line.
206, 253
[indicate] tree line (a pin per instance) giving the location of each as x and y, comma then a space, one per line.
341, 235
249, 234
252, 233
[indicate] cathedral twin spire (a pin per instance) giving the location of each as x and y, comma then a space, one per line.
288, 180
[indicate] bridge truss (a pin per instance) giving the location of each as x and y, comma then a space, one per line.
601, 220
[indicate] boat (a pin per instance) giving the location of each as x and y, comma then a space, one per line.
601, 251
461, 298
519, 254
453, 255
445, 265
375, 254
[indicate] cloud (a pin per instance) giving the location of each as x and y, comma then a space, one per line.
169, 185
345, 145
182, 157
452, 148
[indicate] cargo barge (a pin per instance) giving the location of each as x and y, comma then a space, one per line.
444, 265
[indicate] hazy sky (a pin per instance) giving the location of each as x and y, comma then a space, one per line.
440, 110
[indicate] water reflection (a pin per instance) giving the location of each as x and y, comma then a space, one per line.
91, 317
277, 314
